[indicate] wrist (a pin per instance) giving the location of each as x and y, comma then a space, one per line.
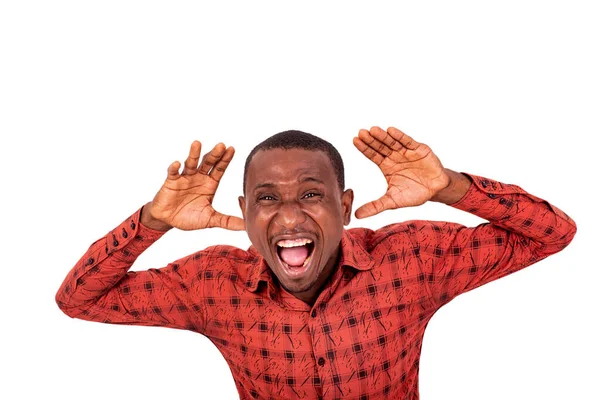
457, 188
149, 221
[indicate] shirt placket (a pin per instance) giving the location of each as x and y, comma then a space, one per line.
320, 326
323, 368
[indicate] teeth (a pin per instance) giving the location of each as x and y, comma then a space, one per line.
293, 243
306, 261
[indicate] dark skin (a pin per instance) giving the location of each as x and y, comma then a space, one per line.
293, 194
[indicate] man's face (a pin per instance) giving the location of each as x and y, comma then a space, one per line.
295, 214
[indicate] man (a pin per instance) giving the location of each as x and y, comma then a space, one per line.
312, 310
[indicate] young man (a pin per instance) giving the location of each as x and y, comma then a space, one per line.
312, 310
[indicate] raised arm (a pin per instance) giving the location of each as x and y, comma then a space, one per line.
100, 288
522, 228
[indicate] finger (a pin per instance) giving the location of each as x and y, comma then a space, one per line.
219, 169
375, 207
403, 138
367, 151
374, 143
385, 138
211, 158
218, 220
173, 171
191, 163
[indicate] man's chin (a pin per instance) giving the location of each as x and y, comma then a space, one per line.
298, 285
298, 288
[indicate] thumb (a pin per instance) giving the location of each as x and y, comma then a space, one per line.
218, 220
374, 207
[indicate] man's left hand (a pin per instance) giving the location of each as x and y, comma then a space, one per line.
413, 172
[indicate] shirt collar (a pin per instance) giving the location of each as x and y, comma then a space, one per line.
353, 255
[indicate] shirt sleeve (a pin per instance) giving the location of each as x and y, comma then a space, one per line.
100, 288
522, 230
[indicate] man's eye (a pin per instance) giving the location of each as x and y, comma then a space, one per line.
266, 197
311, 195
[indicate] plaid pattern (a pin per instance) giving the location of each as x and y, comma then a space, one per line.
362, 338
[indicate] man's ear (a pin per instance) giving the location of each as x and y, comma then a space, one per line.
242, 203
347, 200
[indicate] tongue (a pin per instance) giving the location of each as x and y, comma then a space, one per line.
294, 256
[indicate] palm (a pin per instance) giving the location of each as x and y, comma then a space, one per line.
185, 200
413, 172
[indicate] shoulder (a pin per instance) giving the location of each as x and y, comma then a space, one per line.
216, 264
401, 233
221, 259
226, 253
370, 238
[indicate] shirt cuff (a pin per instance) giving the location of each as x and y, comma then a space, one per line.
489, 199
131, 235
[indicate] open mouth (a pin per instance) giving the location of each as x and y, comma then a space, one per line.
295, 254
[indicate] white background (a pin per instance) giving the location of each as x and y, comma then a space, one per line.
97, 98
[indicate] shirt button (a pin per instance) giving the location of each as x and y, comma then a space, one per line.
321, 362
313, 313
492, 196
502, 201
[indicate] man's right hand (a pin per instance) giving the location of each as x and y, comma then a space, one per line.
185, 200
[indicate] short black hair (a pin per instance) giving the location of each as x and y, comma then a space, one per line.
294, 139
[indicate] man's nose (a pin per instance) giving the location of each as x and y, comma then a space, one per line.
290, 215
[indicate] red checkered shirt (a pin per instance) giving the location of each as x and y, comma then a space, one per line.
362, 338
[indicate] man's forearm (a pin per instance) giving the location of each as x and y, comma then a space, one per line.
104, 264
512, 208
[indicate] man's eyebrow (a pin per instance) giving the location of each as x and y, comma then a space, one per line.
311, 179
264, 185
302, 180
